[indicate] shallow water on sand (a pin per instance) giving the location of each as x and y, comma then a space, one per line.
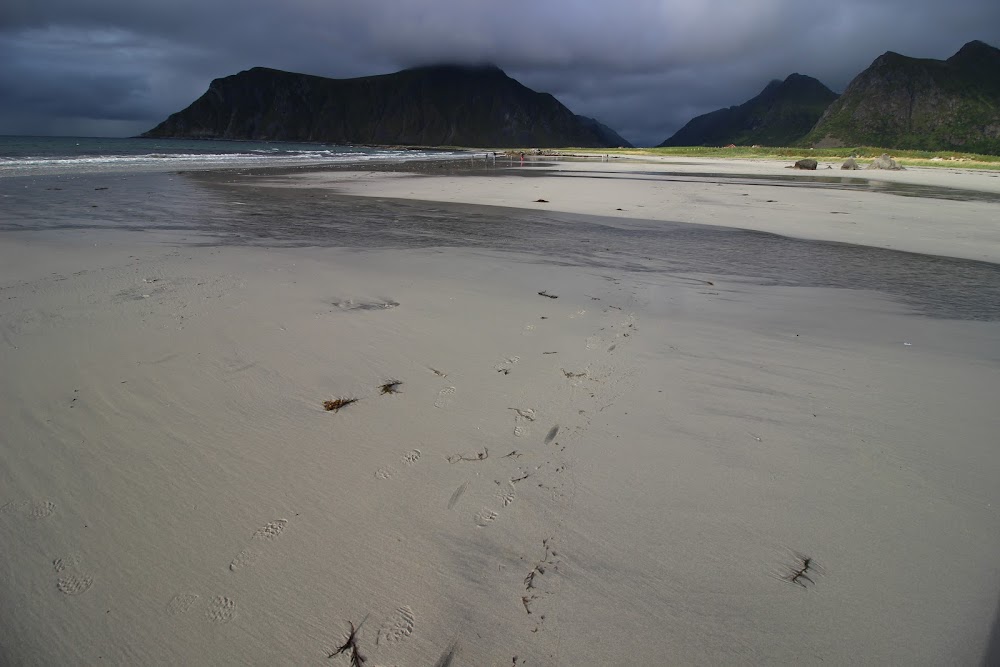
223, 213
857, 183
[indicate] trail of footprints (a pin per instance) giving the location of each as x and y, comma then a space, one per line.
222, 608
72, 580
249, 554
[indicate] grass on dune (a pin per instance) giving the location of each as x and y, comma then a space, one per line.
863, 154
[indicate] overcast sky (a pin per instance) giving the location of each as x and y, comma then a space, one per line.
644, 67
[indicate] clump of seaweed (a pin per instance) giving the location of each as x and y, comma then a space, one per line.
478, 456
350, 646
539, 570
390, 387
336, 404
802, 572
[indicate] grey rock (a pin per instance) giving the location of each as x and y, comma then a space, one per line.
885, 162
807, 163
850, 163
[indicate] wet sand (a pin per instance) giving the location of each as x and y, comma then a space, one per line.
594, 456
924, 210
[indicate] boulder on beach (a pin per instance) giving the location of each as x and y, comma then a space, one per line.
807, 163
885, 162
850, 163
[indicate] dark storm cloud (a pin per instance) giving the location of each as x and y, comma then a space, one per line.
643, 67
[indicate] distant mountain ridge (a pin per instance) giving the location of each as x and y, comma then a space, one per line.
903, 102
442, 105
781, 115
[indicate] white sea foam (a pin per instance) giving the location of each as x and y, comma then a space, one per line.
53, 158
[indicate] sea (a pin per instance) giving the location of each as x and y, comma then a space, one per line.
209, 192
36, 156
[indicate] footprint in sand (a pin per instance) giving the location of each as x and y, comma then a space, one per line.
445, 398
69, 562
39, 509
182, 603
270, 530
485, 517
11, 508
72, 581
31, 509
522, 416
221, 609
249, 554
409, 458
506, 365
397, 627
244, 558
506, 494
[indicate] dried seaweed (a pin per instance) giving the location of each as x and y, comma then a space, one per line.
480, 456
338, 403
547, 295
350, 646
803, 571
391, 387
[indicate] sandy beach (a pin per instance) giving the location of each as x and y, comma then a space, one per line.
553, 459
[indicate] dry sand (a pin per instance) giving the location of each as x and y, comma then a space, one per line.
623, 475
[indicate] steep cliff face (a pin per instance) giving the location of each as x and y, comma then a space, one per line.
426, 106
902, 102
780, 115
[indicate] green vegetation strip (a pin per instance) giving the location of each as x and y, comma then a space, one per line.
911, 158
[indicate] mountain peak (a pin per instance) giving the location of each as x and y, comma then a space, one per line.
432, 105
976, 45
920, 103
976, 52
781, 114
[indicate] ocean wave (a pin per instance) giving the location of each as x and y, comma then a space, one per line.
54, 164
